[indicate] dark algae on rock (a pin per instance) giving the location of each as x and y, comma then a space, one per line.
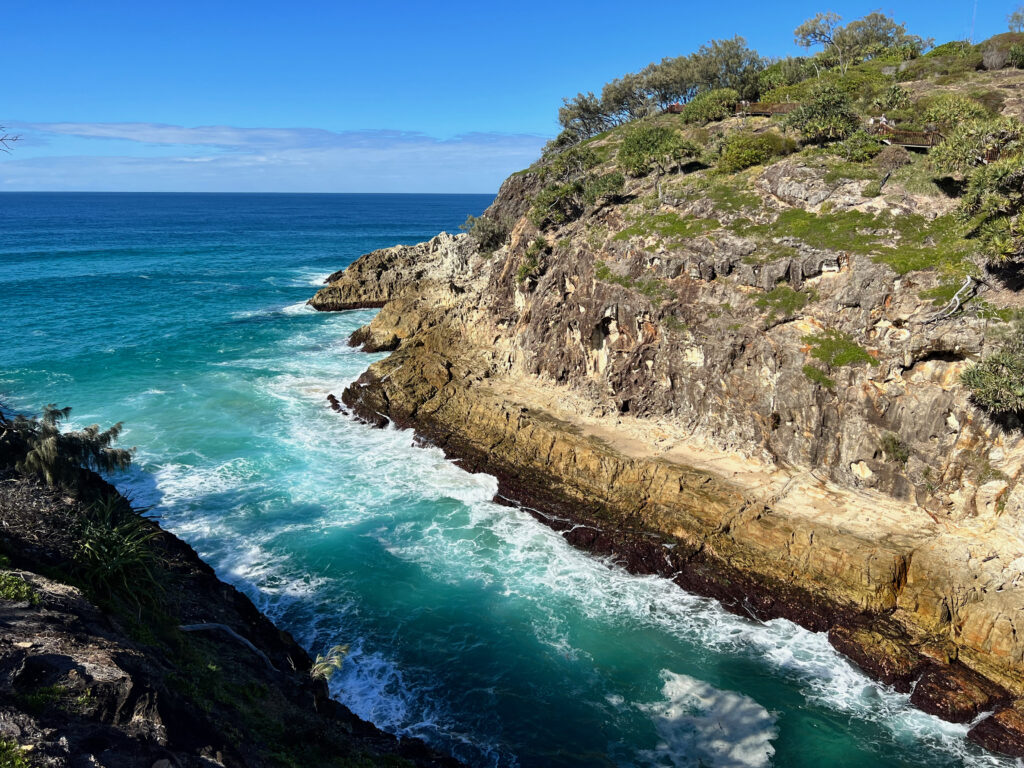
753, 381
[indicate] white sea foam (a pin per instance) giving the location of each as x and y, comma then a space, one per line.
354, 475
700, 725
299, 308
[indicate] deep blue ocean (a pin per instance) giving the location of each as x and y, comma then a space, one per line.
471, 625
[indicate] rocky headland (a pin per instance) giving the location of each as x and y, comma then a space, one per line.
748, 382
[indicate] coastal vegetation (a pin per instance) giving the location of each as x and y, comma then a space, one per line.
58, 457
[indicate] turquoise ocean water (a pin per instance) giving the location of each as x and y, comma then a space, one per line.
471, 625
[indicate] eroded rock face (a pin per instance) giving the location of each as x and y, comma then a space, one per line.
681, 393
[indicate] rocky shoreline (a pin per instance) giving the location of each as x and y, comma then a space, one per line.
193, 675
939, 684
765, 542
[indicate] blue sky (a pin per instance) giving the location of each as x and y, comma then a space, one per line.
342, 96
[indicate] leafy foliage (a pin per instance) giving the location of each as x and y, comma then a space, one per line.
654, 147
818, 376
743, 150
115, 553
782, 301
859, 147
993, 205
972, 142
827, 116
873, 36
895, 97
997, 382
835, 349
603, 186
951, 109
894, 448
710, 106
14, 587
59, 458
487, 232
1015, 56
12, 756
720, 64
1015, 20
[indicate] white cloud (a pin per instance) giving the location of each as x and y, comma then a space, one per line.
156, 157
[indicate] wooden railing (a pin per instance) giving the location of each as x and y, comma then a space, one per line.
922, 139
765, 108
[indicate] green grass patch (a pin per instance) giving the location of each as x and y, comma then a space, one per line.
906, 243
673, 323
851, 171
836, 349
783, 301
729, 196
13, 587
818, 376
918, 178
666, 226
654, 289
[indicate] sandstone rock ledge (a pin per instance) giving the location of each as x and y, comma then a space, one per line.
920, 597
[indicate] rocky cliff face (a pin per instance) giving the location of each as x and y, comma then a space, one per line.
193, 675
749, 384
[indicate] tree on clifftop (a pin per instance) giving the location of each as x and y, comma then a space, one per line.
1015, 20
863, 38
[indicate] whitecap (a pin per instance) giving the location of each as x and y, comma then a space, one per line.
299, 308
701, 725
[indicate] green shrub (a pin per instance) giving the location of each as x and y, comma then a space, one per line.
959, 48
660, 148
872, 189
997, 382
818, 376
971, 142
827, 116
1016, 56
13, 587
894, 448
994, 208
12, 756
743, 150
951, 109
782, 301
859, 147
607, 185
488, 233
557, 204
893, 98
570, 164
710, 106
785, 72
836, 349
